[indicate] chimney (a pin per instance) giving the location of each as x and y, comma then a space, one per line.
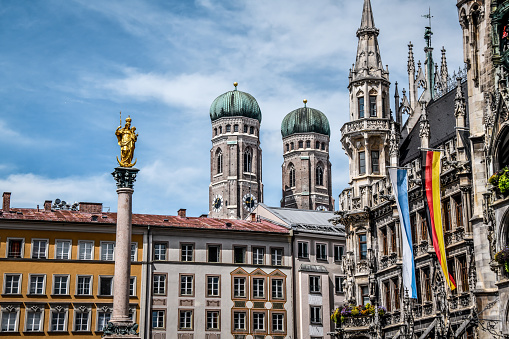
91, 207
182, 212
253, 216
47, 205
6, 207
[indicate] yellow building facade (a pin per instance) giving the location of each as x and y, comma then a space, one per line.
57, 271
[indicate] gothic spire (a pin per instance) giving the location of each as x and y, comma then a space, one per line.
368, 62
444, 74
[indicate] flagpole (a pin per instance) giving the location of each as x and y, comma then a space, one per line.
431, 149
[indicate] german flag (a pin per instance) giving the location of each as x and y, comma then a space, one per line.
431, 165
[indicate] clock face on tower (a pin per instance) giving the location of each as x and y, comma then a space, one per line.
249, 202
217, 204
321, 208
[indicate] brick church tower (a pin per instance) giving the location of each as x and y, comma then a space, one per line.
236, 157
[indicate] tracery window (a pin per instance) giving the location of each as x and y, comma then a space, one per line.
219, 156
247, 160
292, 175
319, 175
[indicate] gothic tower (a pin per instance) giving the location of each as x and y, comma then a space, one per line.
236, 157
366, 137
306, 168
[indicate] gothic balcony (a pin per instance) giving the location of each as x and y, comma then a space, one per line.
358, 322
461, 301
360, 126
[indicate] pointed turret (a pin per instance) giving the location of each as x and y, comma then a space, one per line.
444, 73
368, 62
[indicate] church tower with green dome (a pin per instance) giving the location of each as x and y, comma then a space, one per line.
236, 157
306, 168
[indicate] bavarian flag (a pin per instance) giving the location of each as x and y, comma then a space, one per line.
431, 165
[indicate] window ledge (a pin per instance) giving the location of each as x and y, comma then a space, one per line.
83, 295
11, 295
60, 295
105, 295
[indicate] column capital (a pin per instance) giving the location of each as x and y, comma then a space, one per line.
125, 177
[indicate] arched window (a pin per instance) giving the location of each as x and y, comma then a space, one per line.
319, 175
292, 146
292, 175
245, 128
215, 131
287, 147
251, 129
317, 145
228, 128
219, 161
235, 128
502, 147
323, 146
308, 144
248, 160
301, 144
220, 129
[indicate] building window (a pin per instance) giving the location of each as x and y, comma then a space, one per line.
239, 321
159, 284
102, 320
60, 284
338, 284
9, 320
463, 271
276, 256
446, 207
315, 284
158, 317
375, 167
235, 128
365, 295
134, 251
58, 319
395, 285
362, 163
251, 129
86, 250
239, 287
360, 107
84, 285
393, 240
301, 144
239, 254
452, 271
132, 287
159, 251
62, 249
424, 228
277, 288
213, 286
81, 320
248, 159
107, 251
212, 320
105, 286
292, 146
308, 144
384, 110
302, 250
287, 147
278, 322
338, 252
387, 292
185, 320
245, 128
458, 211
292, 175
33, 320
213, 253
385, 244
39, 249
319, 176
228, 128
315, 312
186, 285
15, 248
186, 252
219, 156
427, 284
372, 106
258, 255
413, 228
215, 131
258, 321
37, 284
258, 288
321, 252
220, 129
323, 146
317, 145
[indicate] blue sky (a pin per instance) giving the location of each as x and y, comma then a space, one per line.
68, 67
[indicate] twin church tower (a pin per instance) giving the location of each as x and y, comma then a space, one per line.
236, 157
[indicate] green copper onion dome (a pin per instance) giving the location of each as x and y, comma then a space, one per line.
305, 120
234, 104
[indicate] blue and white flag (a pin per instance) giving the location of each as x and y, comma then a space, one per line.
399, 181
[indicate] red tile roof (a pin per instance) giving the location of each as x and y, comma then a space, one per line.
141, 220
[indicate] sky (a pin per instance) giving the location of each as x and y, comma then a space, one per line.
67, 68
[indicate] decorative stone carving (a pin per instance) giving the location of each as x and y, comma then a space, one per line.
424, 127
125, 177
117, 329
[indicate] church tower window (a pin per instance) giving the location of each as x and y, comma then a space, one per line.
220, 129
301, 144
308, 144
247, 161
323, 146
292, 175
362, 163
245, 128
375, 167
215, 131
291, 146
372, 106
228, 128
219, 157
360, 105
319, 176
287, 147
317, 145
235, 128
251, 130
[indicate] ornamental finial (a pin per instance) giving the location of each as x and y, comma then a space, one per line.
305, 101
235, 84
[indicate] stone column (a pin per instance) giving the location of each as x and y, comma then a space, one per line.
120, 325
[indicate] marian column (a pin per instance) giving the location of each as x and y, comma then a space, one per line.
121, 324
